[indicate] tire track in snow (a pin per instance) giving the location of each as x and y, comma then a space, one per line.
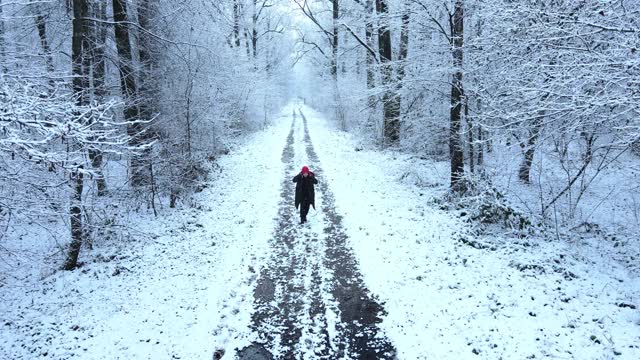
360, 337
287, 295
309, 281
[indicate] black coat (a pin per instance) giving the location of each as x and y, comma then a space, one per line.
304, 189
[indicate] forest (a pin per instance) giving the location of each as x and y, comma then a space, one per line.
125, 124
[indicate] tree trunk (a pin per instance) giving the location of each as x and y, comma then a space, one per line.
254, 28
41, 24
247, 43
402, 57
172, 199
635, 147
236, 23
371, 75
96, 163
148, 91
3, 58
339, 113
334, 42
530, 148
75, 209
187, 95
87, 38
457, 93
404, 45
79, 12
481, 140
148, 88
135, 130
470, 139
480, 149
99, 59
391, 123
478, 112
99, 10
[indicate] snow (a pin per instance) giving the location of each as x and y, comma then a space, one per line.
183, 291
606, 215
183, 285
446, 299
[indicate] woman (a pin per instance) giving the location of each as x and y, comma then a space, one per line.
305, 192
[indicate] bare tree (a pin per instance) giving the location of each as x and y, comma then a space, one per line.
371, 59
335, 15
457, 95
98, 43
75, 210
128, 85
3, 66
255, 16
41, 25
403, 50
391, 104
529, 146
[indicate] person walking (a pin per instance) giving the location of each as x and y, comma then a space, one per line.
305, 192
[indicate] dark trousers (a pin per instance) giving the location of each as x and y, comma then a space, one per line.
304, 210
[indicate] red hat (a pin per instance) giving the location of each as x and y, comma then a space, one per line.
305, 170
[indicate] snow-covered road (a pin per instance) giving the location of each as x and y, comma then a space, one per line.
378, 271
311, 301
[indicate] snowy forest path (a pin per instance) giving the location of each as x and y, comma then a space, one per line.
310, 298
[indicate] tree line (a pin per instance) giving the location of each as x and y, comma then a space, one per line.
128, 102
553, 80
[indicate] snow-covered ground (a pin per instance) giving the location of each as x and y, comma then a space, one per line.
170, 294
186, 288
448, 300
606, 214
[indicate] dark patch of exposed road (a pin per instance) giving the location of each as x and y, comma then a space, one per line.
291, 294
